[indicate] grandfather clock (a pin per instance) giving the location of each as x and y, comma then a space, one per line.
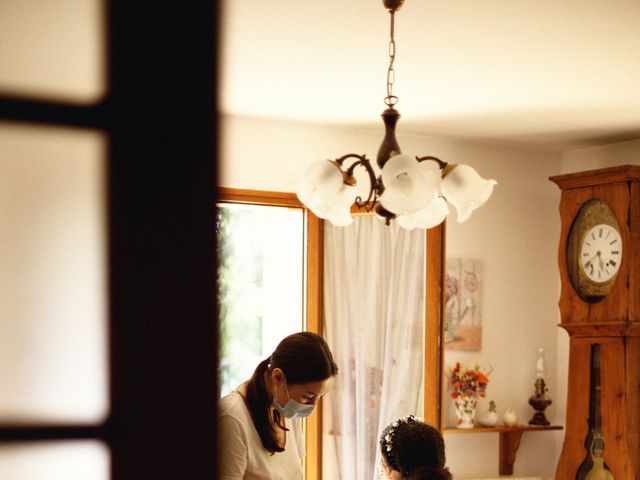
599, 261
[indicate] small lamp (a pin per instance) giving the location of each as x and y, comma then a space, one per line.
539, 400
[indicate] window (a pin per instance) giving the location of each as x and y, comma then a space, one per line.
261, 284
275, 225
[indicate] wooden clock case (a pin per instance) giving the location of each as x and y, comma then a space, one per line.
613, 323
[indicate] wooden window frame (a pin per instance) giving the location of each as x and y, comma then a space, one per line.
434, 325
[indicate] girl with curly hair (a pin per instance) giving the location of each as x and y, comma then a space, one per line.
412, 450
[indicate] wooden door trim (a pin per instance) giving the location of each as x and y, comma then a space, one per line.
434, 324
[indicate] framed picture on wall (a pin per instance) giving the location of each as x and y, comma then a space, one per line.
463, 325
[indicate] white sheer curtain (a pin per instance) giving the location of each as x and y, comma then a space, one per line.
374, 317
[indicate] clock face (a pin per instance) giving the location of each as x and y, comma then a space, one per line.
594, 251
601, 253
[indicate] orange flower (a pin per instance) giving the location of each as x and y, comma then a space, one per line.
470, 382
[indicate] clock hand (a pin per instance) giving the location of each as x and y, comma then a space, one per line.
590, 261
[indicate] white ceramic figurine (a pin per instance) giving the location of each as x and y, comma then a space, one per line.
490, 417
510, 418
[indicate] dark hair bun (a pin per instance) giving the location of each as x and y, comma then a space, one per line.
426, 473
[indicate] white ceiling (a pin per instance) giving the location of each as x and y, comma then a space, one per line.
557, 74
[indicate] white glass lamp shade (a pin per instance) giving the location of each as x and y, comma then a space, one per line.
319, 186
466, 190
430, 216
340, 213
411, 192
409, 185
323, 191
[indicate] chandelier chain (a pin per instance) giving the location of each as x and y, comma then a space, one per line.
391, 99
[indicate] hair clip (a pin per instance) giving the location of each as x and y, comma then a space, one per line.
388, 438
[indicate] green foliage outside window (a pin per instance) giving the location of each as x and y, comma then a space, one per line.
239, 282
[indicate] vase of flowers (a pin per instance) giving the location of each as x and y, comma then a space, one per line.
466, 385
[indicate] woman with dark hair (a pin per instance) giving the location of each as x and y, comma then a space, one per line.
260, 422
412, 450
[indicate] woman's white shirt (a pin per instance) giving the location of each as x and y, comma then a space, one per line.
241, 453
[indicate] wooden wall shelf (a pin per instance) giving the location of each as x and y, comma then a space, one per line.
509, 440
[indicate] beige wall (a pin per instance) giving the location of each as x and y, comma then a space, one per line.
515, 236
623, 153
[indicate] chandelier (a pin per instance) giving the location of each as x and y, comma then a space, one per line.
415, 191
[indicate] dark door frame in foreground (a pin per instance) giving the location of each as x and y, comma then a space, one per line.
159, 115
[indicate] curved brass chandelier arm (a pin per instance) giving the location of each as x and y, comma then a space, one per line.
361, 158
441, 163
374, 187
